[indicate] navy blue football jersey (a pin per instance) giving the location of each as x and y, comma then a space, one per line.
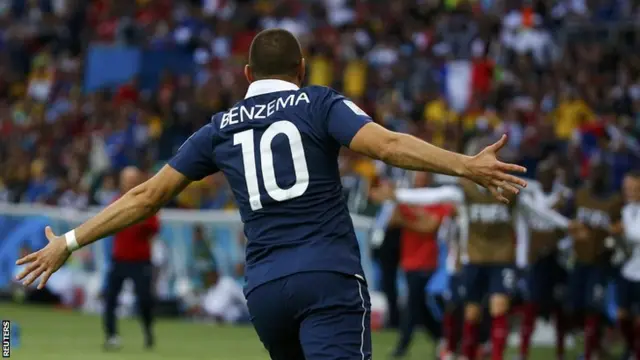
278, 149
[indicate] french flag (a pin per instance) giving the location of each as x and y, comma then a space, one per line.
456, 76
463, 79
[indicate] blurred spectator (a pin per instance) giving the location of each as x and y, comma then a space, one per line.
419, 261
107, 191
163, 272
572, 112
221, 295
204, 260
224, 300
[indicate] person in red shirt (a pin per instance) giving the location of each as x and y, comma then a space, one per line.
131, 260
127, 93
419, 261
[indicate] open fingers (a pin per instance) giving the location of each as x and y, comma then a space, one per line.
49, 233
34, 275
506, 167
505, 186
44, 279
27, 259
495, 191
28, 270
495, 147
510, 179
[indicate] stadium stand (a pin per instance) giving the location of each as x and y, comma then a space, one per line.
99, 85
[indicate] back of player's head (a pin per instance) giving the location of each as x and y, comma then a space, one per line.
275, 53
634, 174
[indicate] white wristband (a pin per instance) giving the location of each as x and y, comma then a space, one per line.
72, 243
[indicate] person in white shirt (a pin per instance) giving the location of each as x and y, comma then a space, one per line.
224, 301
628, 286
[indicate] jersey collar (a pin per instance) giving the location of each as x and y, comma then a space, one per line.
266, 86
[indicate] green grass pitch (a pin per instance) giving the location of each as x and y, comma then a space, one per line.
51, 334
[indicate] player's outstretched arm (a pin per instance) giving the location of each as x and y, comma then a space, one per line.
136, 205
409, 152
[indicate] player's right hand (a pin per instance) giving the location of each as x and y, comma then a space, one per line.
44, 262
486, 170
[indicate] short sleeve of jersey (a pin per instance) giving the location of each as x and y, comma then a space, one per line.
194, 159
344, 118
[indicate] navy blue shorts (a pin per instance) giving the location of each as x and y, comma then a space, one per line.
587, 287
628, 295
313, 316
453, 295
482, 280
545, 282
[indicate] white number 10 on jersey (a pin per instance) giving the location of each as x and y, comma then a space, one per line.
245, 140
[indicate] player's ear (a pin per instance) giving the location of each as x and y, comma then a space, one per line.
302, 71
248, 74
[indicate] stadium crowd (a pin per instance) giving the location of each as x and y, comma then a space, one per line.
453, 72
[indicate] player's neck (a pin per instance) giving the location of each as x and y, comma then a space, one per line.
267, 86
288, 79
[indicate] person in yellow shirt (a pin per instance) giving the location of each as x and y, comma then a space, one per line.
354, 78
366, 168
453, 4
321, 70
571, 113
485, 118
191, 196
438, 116
155, 126
353, 163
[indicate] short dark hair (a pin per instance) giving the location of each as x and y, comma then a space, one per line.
275, 52
634, 173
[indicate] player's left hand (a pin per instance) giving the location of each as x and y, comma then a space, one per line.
44, 262
486, 170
